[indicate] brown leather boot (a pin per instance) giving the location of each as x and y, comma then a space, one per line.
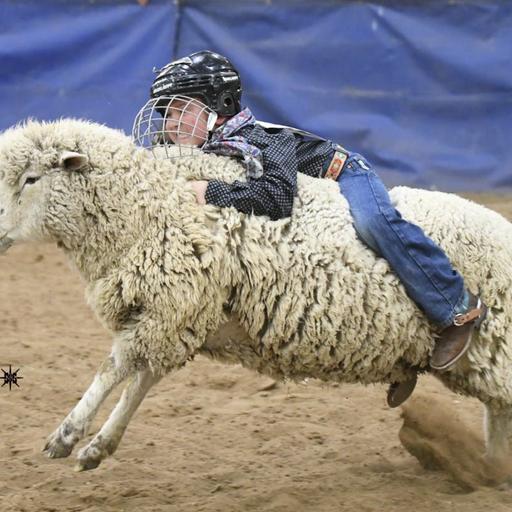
455, 340
399, 392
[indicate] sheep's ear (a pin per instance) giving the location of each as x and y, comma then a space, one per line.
71, 161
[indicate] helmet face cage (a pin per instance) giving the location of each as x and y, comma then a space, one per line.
173, 126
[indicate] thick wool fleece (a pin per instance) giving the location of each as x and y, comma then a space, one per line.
164, 274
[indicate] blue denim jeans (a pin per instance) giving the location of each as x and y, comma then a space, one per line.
421, 265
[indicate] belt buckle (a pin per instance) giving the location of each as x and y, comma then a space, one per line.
336, 166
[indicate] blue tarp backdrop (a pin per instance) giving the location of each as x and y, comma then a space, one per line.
423, 89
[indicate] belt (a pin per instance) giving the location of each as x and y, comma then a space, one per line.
337, 163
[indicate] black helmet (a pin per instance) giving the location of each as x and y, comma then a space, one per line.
205, 75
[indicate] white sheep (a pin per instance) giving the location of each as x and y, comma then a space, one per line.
294, 298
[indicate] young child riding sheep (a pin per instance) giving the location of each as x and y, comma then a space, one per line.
199, 99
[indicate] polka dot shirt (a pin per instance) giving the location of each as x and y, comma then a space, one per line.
284, 154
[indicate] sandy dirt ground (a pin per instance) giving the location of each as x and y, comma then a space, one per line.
214, 437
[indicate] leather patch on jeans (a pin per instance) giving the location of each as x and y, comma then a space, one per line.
336, 166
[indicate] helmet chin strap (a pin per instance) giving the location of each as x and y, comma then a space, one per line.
212, 119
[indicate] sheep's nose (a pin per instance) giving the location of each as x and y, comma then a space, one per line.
2, 211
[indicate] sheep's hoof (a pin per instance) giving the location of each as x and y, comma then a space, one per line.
55, 448
87, 464
506, 485
90, 456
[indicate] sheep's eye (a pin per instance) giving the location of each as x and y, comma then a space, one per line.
31, 180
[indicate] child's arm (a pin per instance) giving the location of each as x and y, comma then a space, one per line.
273, 193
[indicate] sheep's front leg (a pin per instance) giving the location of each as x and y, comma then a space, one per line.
107, 439
74, 427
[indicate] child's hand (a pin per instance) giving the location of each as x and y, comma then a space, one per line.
199, 187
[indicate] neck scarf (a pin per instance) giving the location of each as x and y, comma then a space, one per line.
224, 141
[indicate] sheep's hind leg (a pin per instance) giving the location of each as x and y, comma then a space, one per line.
498, 432
74, 427
106, 441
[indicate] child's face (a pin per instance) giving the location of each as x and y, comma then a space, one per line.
186, 122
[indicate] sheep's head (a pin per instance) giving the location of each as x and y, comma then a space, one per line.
28, 164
